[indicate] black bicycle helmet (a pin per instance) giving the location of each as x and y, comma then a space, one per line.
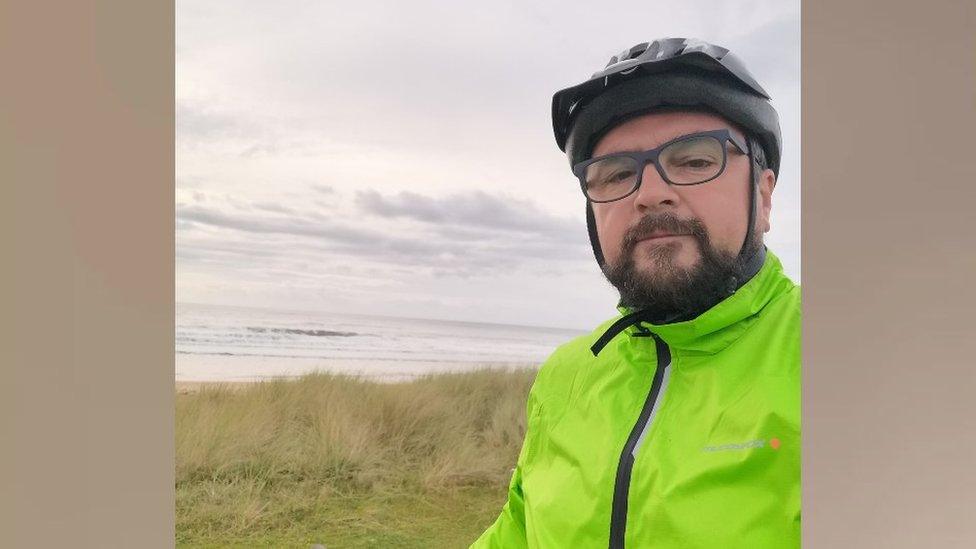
675, 72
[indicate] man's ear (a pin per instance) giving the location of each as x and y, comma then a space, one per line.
767, 182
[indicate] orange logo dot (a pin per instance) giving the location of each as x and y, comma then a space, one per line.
774, 442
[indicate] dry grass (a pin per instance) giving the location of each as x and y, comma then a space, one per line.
347, 462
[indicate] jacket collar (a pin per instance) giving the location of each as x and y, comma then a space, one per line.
719, 326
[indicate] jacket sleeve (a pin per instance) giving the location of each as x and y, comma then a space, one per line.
508, 530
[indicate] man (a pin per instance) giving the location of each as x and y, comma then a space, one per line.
676, 424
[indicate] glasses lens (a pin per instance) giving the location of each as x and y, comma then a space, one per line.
610, 178
692, 160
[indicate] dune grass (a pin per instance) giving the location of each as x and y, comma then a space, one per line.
347, 462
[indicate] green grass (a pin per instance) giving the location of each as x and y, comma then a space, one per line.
346, 462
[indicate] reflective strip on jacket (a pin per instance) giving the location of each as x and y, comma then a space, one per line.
716, 463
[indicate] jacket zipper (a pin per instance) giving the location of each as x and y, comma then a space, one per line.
621, 488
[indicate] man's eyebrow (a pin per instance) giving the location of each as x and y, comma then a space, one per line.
678, 135
669, 139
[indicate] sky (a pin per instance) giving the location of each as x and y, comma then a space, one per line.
397, 158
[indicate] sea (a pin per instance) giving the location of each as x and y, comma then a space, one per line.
217, 343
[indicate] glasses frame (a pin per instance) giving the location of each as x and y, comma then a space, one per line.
651, 156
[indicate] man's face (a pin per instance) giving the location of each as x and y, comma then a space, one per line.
707, 222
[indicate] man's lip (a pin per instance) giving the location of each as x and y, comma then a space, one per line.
659, 235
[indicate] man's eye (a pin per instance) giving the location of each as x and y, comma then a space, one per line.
617, 177
696, 163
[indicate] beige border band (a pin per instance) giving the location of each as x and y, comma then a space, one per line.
888, 262
87, 167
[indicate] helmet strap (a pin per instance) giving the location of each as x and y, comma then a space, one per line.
594, 239
751, 260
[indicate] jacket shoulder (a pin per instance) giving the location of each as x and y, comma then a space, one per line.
558, 374
789, 301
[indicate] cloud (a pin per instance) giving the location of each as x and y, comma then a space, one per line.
194, 122
274, 207
432, 241
476, 209
295, 226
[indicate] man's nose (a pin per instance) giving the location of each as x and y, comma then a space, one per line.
654, 192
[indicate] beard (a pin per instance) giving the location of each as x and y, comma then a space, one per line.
669, 291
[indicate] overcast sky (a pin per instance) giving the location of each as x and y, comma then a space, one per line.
397, 158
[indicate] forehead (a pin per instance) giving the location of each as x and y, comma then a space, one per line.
650, 130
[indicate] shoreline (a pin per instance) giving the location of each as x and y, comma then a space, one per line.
191, 386
244, 370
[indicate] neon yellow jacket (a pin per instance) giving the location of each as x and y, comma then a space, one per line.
680, 435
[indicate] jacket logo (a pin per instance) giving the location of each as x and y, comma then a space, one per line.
757, 443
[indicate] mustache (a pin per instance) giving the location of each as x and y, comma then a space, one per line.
665, 222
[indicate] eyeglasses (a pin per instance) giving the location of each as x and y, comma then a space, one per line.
687, 160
